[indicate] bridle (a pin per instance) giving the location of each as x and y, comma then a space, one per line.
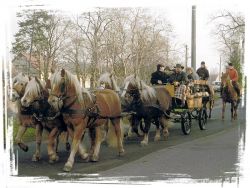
63, 96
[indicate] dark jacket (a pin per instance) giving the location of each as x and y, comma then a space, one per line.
180, 77
159, 75
203, 73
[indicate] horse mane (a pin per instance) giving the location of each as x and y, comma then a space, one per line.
109, 78
20, 78
147, 93
70, 79
33, 87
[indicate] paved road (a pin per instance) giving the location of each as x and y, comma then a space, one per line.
210, 154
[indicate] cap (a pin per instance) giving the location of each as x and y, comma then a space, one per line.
203, 63
230, 64
178, 65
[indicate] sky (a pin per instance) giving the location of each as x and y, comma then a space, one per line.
178, 13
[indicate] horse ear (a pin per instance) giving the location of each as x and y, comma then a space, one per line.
30, 78
23, 74
62, 73
36, 79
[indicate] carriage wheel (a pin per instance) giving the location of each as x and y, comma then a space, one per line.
202, 118
186, 122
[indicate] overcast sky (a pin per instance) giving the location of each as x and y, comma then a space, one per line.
177, 12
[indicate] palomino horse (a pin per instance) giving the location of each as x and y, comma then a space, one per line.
149, 104
25, 114
36, 95
229, 95
80, 111
108, 81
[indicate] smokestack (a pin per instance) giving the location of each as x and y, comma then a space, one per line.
193, 38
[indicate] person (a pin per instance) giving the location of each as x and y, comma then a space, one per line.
191, 75
203, 72
178, 75
179, 79
233, 75
159, 77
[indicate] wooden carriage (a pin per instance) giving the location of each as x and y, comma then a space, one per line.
195, 107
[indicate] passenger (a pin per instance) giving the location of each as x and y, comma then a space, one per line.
159, 77
179, 79
191, 75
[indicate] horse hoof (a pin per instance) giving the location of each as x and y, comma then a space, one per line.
35, 158
23, 147
121, 153
85, 156
144, 143
67, 168
94, 158
53, 159
68, 147
157, 138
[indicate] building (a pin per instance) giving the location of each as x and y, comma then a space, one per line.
21, 64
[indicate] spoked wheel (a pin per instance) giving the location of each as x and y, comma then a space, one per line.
202, 118
186, 122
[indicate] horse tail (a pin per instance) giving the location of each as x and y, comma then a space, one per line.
112, 135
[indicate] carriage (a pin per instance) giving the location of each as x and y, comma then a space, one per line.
197, 97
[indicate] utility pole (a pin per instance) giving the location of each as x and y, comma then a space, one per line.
193, 38
186, 56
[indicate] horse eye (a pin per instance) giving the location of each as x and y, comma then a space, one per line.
21, 84
53, 100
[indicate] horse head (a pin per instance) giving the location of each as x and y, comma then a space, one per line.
135, 90
64, 87
34, 91
19, 83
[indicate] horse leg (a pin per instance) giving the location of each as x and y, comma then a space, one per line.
82, 150
164, 123
117, 124
223, 109
57, 141
211, 104
92, 141
21, 130
158, 132
97, 144
67, 144
144, 142
232, 111
53, 157
39, 132
79, 129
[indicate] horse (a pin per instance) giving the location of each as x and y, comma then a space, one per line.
36, 95
107, 81
82, 110
229, 95
25, 114
150, 104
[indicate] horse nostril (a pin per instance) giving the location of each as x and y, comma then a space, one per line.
24, 100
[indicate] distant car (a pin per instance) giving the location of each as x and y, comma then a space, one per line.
217, 86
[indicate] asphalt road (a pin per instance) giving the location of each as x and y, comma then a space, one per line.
211, 154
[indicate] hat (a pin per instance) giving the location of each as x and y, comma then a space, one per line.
178, 65
230, 64
203, 63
